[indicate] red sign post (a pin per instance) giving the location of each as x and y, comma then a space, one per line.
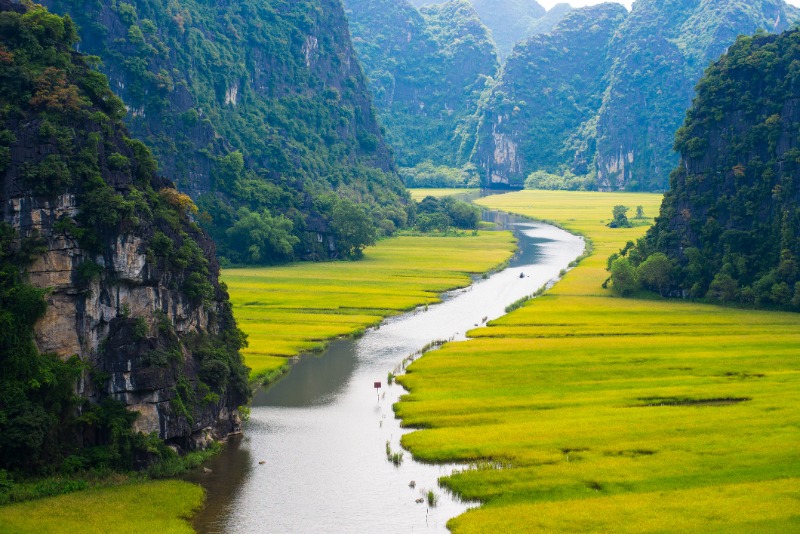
377, 386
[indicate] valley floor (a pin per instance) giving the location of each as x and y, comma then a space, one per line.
285, 311
614, 415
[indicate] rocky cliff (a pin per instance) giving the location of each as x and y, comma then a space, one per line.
659, 54
652, 60
730, 222
257, 109
547, 98
427, 70
132, 281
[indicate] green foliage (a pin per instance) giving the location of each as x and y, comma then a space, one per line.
730, 222
426, 174
546, 100
427, 70
623, 277
440, 214
250, 104
261, 238
620, 217
566, 181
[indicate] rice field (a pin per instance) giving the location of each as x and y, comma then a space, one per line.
299, 308
582, 411
162, 507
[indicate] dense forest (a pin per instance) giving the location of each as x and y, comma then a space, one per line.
260, 111
427, 70
729, 227
103, 270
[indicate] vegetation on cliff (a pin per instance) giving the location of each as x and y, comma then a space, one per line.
547, 98
619, 118
258, 110
427, 70
730, 223
62, 143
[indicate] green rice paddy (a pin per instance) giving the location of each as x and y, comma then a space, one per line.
299, 308
586, 412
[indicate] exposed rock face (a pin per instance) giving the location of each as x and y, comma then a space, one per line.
134, 281
548, 93
659, 54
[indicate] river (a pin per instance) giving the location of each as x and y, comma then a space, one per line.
313, 457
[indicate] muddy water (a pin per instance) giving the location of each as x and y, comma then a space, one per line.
313, 458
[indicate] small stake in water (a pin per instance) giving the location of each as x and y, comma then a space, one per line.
377, 386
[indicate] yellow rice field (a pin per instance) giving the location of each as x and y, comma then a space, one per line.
606, 414
297, 308
162, 507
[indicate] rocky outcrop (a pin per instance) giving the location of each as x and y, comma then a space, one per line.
731, 219
133, 288
548, 91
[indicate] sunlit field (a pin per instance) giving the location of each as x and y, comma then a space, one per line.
162, 507
297, 308
419, 194
614, 415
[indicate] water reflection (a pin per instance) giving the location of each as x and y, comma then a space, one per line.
314, 455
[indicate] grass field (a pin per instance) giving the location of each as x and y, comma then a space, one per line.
614, 415
161, 507
297, 308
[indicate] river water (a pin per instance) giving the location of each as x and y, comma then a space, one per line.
313, 457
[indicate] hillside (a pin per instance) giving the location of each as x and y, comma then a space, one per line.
659, 54
731, 219
259, 110
651, 64
109, 289
547, 95
427, 70
510, 21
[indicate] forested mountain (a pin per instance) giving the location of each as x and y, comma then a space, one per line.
259, 110
547, 98
108, 288
549, 20
659, 54
427, 70
653, 61
510, 21
730, 223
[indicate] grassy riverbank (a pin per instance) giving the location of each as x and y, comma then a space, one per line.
298, 308
612, 414
162, 507
285, 310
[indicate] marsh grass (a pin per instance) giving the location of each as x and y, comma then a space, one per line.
675, 416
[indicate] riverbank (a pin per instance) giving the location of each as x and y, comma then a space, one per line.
286, 310
613, 414
289, 310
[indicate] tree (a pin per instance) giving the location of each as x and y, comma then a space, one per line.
352, 227
655, 272
640, 212
623, 277
620, 219
260, 237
